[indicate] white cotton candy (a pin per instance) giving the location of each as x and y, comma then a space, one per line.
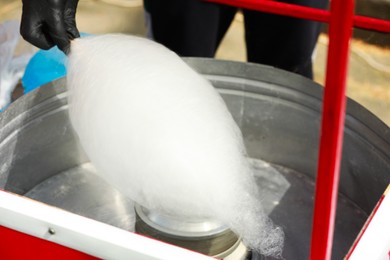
161, 134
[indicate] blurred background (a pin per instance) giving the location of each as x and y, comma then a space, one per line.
369, 69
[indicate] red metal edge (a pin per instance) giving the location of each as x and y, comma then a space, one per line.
373, 24
279, 8
304, 12
18, 245
364, 228
332, 129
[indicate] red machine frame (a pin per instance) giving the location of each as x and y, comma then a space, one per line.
341, 20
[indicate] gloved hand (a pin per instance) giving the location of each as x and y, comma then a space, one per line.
46, 23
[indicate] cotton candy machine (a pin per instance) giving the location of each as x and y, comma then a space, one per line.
279, 115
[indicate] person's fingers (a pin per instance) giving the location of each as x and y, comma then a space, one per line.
71, 29
70, 19
57, 31
72, 4
33, 32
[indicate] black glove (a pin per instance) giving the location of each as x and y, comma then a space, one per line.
46, 23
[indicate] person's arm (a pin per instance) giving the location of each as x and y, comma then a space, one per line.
46, 23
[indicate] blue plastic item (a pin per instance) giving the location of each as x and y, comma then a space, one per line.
44, 66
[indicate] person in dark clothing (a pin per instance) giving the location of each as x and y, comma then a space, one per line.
196, 28
191, 28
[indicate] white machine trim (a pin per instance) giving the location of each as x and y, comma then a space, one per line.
83, 234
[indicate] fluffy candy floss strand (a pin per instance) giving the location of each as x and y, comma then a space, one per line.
162, 135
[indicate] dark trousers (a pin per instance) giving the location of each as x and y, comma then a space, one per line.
195, 28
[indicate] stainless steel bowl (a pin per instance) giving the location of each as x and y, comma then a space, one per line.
279, 115
206, 236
